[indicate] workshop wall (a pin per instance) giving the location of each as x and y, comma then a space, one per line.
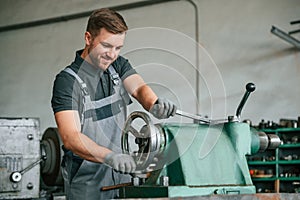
237, 36
236, 47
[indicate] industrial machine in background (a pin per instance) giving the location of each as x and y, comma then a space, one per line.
29, 164
191, 159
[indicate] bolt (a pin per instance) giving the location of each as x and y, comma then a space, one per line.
15, 185
30, 137
29, 186
164, 181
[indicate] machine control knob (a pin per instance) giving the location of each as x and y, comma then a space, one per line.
16, 177
250, 87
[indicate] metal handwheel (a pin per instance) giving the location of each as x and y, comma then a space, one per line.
144, 141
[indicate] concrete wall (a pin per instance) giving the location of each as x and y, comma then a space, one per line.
236, 47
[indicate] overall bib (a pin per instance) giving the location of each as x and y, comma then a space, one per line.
102, 121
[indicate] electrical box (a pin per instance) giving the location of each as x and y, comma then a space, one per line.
19, 150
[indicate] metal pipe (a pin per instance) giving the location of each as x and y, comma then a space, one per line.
78, 15
285, 36
295, 22
197, 88
294, 31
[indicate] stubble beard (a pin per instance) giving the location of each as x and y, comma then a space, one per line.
96, 60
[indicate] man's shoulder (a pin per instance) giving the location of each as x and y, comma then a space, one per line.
64, 79
120, 61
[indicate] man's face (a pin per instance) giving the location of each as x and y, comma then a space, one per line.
104, 48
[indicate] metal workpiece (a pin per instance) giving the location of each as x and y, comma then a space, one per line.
268, 141
261, 141
264, 141
274, 141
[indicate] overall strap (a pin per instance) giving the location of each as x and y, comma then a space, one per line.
80, 81
114, 75
117, 80
83, 89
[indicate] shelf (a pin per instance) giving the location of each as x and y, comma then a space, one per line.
277, 181
289, 178
288, 162
281, 130
289, 145
264, 179
288, 130
262, 162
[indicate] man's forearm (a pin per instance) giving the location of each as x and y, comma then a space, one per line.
87, 149
69, 129
145, 96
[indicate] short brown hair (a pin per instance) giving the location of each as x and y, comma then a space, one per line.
106, 18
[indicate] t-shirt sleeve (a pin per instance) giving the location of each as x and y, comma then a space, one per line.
124, 68
65, 95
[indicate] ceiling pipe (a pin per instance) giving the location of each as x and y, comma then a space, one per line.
78, 15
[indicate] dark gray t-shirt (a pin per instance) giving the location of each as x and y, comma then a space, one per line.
67, 94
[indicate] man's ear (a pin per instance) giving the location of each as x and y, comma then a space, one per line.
88, 38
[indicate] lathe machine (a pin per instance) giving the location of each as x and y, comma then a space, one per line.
173, 159
191, 159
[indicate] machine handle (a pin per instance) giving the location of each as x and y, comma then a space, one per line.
250, 87
17, 176
113, 187
192, 116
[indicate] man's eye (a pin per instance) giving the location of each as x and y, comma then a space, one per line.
105, 45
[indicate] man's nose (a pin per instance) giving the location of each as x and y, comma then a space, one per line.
112, 53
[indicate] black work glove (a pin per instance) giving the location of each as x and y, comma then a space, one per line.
120, 162
163, 108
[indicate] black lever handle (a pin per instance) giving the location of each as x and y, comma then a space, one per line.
250, 87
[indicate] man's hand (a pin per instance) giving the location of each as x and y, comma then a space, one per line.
163, 109
120, 162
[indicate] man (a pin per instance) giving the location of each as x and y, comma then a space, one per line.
89, 101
